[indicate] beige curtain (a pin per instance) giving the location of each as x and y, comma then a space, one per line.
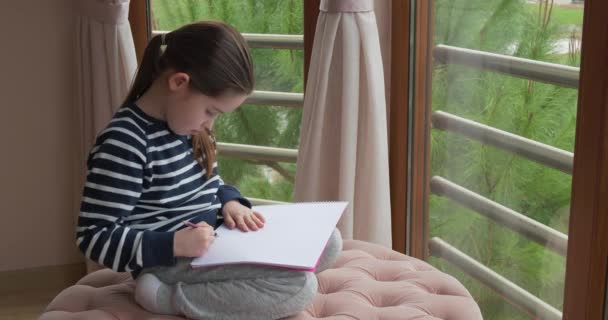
106, 63
343, 152
105, 66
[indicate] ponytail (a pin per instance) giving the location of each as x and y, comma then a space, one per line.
148, 70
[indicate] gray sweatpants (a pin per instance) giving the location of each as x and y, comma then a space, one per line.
241, 291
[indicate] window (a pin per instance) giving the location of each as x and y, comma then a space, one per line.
492, 125
501, 150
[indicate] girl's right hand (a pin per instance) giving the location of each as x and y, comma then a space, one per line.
193, 242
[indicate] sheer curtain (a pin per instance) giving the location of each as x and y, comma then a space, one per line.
105, 66
343, 152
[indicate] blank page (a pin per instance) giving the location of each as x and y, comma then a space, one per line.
294, 236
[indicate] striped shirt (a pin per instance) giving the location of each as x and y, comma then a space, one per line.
142, 184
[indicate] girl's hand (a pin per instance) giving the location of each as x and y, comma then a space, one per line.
193, 242
236, 214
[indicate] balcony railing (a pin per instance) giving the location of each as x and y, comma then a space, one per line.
529, 228
533, 150
251, 152
273, 98
557, 74
272, 41
517, 296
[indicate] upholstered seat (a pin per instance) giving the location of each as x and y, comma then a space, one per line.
366, 282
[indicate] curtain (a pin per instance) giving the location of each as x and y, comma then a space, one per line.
343, 153
106, 63
105, 66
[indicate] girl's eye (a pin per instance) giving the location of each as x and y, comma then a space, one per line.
210, 113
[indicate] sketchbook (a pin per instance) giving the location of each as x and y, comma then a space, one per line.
293, 236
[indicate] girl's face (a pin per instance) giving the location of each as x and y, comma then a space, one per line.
190, 112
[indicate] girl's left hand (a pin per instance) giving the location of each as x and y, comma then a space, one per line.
236, 214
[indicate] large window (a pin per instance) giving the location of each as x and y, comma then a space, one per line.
504, 104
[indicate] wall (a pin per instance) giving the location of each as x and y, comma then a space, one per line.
37, 134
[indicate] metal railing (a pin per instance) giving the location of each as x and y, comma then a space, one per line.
243, 151
562, 160
524, 68
533, 150
273, 98
505, 288
252, 152
275, 41
272, 41
502, 215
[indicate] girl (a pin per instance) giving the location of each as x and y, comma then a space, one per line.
153, 170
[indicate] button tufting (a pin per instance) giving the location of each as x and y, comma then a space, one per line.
367, 282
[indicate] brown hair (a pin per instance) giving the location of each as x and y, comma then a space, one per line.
213, 54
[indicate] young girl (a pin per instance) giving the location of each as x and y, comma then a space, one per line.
153, 170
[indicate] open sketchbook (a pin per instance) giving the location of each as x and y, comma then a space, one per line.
293, 236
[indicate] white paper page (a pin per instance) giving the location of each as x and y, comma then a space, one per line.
294, 236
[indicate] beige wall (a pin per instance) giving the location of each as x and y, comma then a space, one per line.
37, 134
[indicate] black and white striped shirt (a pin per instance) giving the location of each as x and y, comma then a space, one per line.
142, 183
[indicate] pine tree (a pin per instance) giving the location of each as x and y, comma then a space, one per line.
538, 111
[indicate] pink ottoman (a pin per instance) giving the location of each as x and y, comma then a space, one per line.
367, 282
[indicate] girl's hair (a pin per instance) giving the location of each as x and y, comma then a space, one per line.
213, 54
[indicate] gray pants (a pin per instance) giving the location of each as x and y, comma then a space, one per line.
240, 291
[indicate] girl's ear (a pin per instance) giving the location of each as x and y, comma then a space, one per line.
178, 81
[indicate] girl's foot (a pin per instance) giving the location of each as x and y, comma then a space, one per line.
153, 295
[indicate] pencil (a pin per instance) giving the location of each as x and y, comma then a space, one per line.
192, 225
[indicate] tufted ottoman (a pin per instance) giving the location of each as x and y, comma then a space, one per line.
367, 282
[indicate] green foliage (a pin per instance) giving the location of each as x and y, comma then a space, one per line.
275, 70
562, 16
534, 110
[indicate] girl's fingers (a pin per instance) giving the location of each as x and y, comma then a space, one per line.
259, 216
240, 222
228, 221
250, 223
257, 221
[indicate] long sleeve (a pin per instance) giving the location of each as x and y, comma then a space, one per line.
114, 184
227, 193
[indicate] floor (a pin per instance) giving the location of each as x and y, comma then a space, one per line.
25, 306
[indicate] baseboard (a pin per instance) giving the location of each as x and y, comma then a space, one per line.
41, 278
